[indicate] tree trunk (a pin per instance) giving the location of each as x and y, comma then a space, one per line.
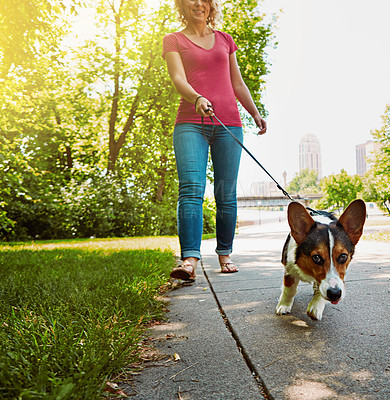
69, 159
161, 182
385, 204
116, 145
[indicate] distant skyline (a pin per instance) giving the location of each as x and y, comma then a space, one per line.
310, 154
329, 77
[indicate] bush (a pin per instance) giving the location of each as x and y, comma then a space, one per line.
209, 214
33, 205
100, 207
41, 206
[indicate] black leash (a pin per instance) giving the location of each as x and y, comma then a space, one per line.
212, 140
242, 145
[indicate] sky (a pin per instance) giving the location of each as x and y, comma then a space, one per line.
330, 76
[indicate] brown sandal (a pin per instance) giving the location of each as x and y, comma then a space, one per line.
228, 268
186, 272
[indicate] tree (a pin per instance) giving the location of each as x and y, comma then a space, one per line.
306, 181
52, 118
29, 29
376, 188
44, 108
340, 189
125, 62
377, 179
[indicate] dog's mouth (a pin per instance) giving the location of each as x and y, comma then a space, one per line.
335, 301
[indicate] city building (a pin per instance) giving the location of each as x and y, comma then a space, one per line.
363, 152
264, 189
310, 154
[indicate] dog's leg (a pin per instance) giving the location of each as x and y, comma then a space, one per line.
316, 305
289, 290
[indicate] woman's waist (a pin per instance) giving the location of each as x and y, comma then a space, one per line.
219, 104
227, 117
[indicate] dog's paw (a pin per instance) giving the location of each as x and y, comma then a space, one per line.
316, 307
283, 309
314, 314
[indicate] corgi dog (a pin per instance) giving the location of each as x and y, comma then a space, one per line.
318, 250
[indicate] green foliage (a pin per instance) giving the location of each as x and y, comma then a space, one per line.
377, 179
48, 116
25, 24
101, 206
306, 181
379, 237
244, 20
376, 188
209, 215
71, 318
29, 28
34, 210
340, 189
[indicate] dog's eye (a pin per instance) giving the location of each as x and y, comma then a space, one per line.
317, 259
342, 258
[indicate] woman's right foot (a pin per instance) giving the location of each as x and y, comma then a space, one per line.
227, 266
185, 272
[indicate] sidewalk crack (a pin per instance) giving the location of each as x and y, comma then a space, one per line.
259, 382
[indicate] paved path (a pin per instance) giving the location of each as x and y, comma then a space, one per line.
232, 346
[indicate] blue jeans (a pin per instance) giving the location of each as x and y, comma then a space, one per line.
191, 151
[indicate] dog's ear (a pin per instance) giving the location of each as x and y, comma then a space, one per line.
299, 220
353, 219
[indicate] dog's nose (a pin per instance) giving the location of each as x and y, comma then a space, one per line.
333, 293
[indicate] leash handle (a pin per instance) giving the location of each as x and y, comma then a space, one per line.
212, 140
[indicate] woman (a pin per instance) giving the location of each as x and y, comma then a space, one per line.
203, 67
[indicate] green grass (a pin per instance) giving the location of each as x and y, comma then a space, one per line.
107, 245
379, 237
72, 312
207, 236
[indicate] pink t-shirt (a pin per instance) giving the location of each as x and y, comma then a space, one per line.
208, 72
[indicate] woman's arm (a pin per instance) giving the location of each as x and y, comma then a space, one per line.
243, 94
178, 76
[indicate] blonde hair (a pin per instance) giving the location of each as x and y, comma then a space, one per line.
214, 18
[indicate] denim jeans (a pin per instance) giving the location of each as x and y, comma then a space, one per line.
191, 151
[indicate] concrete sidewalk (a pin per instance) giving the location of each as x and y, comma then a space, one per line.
232, 345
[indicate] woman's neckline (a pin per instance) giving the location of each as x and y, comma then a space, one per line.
201, 47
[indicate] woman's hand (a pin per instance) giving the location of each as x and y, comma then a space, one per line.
261, 124
203, 107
